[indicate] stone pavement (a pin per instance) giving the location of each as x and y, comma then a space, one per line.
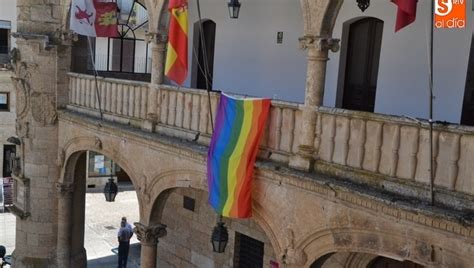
101, 226
102, 223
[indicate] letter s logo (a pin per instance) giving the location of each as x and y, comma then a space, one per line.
443, 7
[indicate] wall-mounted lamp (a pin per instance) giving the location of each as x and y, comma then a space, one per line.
220, 237
363, 4
234, 8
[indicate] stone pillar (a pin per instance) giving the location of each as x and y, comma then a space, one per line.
158, 58
41, 63
148, 237
64, 224
317, 48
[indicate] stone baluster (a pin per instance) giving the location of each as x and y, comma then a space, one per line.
158, 49
64, 223
317, 48
148, 237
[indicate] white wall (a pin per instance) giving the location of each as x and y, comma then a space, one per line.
247, 58
402, 87
8, 13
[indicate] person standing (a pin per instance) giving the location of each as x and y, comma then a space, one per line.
124, 234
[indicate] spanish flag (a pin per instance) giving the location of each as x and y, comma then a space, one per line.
176, 67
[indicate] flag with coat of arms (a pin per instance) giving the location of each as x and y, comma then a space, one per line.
94, 18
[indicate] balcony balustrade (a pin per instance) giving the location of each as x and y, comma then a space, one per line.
373, 147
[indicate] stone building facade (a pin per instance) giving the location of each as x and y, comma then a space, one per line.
331, 185
7, 119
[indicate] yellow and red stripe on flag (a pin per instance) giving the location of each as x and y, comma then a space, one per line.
176, 67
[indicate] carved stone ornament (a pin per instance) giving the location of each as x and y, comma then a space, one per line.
319, 42
98, 143
291, 255
156, 37
64, 188
22, 128
43, 108
149, 235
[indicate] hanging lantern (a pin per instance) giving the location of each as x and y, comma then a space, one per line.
220, 237
234, 8
363, 4
110, 190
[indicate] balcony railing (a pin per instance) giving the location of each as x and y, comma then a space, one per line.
368, 145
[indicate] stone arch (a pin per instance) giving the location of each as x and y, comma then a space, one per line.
72, 188
319, 17
164, 183
371, 242
72, 150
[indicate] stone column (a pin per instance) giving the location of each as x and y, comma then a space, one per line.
317, 48
158, 58
64, 223
148, 237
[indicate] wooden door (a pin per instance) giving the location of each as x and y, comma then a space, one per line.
362, 64
200, 51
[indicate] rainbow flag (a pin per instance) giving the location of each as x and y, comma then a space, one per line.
234, 145
176, 67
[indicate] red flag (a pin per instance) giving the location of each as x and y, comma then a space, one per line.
406, 13
94, 18
106, 19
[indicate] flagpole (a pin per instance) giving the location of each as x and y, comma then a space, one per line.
206, 63
431, 106
95, 78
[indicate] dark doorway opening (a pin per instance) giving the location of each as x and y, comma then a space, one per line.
467, 117
248, 252
4, 33
382, 262
198, 77
360, 60
9, 153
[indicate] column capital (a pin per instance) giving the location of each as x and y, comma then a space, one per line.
148, 235
157, 38
321, 43
64, 188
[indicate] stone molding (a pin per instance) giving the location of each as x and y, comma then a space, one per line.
319, 43
290, 254
149, 235
65, 189
399, 211
158, 38
286, 176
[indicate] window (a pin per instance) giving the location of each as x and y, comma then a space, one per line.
4, 102
189, 203
248, 252
129, 52
4, 36
360, 54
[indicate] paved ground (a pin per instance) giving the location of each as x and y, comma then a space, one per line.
102, 222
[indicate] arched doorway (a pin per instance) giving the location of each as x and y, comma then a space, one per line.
88, 225
361, 45
203, 48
